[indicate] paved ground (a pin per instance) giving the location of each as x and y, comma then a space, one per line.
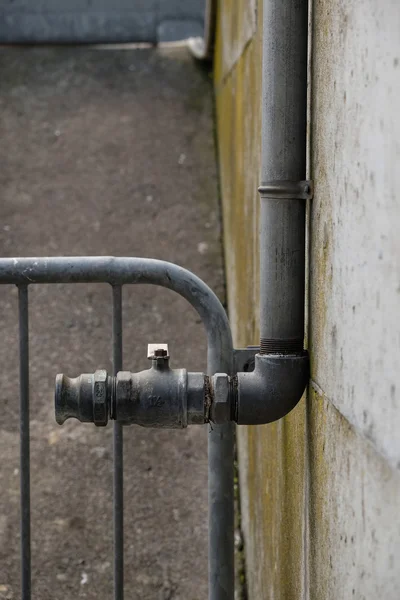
105, 153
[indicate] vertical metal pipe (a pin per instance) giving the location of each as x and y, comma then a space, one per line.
220, 493
282, 240
118, 458
221, 513
24, 443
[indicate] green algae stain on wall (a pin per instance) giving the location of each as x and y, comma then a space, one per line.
273, 488
238, 97
319, 504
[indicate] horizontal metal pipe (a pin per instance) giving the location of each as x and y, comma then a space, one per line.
127, 270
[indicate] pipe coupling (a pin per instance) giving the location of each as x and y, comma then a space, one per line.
273, 389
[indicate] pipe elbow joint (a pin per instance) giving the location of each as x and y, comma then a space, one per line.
273, 389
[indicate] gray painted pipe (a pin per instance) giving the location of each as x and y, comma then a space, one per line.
221, 583
282, 235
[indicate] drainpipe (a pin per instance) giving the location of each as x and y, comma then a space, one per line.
283, 189
281, 367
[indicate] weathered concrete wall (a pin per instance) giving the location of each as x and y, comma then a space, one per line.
321, 489
356, 213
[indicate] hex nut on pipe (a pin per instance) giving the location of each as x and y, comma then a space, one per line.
196, 394
100, 402
220, 411
83, 398
123, 394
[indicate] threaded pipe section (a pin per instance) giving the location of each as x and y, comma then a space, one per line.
281, 346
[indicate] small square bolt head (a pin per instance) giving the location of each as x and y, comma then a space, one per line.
157, 351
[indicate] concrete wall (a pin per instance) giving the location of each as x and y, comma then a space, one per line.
321, 489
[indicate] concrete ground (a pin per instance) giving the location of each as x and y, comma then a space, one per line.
105, 152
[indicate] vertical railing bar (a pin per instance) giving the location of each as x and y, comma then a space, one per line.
118, 448
24, 442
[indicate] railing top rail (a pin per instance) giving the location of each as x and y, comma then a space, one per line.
23, 271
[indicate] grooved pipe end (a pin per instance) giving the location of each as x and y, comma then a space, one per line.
86, 398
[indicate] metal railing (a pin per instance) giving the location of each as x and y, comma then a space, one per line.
117, 272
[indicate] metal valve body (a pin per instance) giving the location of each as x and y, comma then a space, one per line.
156, 397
